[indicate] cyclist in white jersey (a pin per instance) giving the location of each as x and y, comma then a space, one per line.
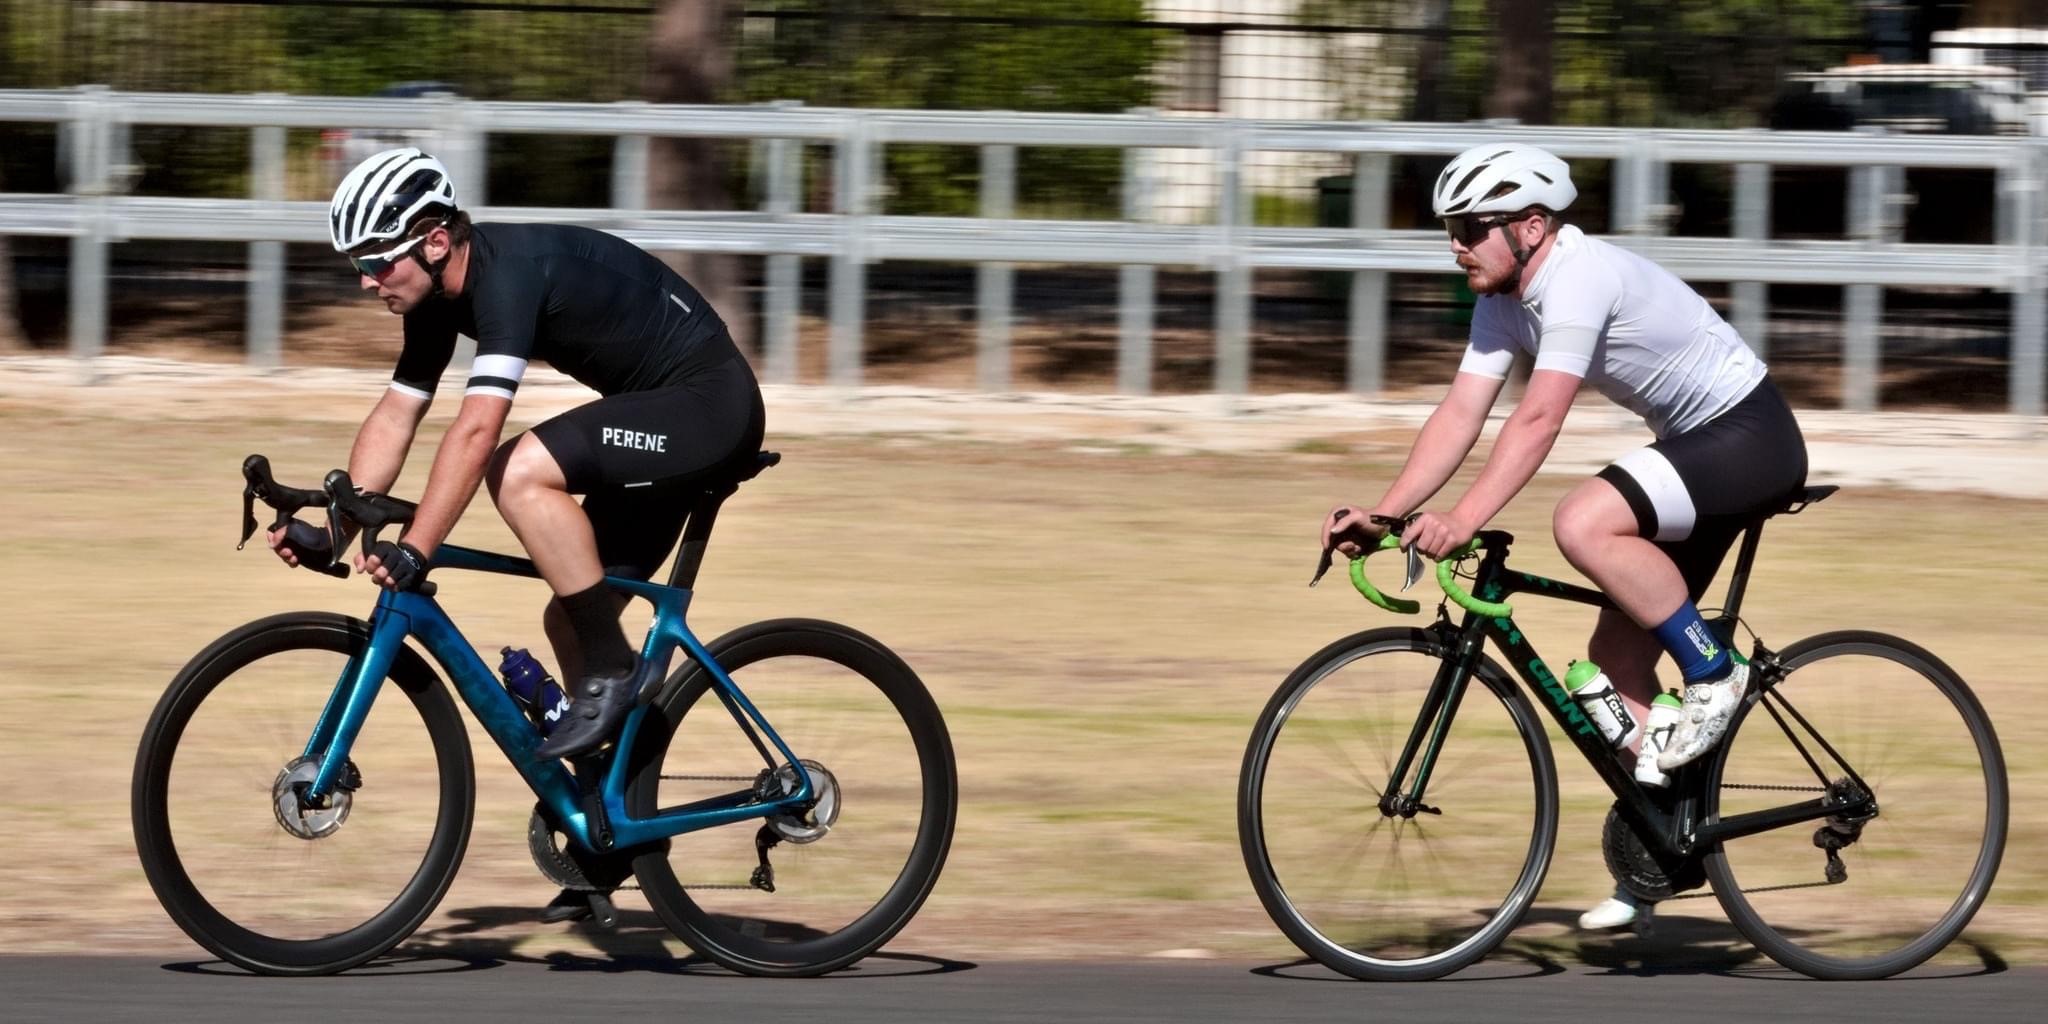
1652, 528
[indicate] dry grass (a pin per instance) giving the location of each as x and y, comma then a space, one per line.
1101, 628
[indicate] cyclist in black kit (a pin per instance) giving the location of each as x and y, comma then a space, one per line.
679, 404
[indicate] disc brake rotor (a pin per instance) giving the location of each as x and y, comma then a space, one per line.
812, 824
300, 818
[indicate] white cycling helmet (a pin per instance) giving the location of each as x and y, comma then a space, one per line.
1502, 177
385, 196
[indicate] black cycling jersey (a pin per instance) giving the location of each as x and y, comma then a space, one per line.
593, 305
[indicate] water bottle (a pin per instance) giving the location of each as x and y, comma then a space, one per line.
1665, 713
535, 690
1595, 694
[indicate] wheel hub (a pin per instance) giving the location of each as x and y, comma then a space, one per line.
811, 823
301, 817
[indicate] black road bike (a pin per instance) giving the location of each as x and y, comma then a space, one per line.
1850, 822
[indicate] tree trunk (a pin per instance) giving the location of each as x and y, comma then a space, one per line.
1521, 80
1430, 63
11, 338
691, 61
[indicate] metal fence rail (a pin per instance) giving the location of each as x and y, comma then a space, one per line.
853, 235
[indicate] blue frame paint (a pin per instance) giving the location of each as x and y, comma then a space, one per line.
399, 615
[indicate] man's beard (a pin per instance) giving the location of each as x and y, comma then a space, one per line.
1495, 284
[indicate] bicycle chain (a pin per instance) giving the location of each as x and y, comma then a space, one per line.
1767, 888
705, 887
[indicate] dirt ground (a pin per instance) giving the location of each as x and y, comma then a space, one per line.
1100, 592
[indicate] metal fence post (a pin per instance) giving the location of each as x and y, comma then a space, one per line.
2020, 187
1233, 274
1368, 350
1751, 299
91, 140
265, 319
993, 280
851, 162
1863, 304
630, 155
1136, 281
785, 270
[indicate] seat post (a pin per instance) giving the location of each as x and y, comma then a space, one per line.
1740, 582
696, 536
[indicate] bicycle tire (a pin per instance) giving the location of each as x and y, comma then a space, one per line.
188, 902
1917, 868
1459, 948
780, 947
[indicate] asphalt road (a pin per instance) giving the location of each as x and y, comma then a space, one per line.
894, 987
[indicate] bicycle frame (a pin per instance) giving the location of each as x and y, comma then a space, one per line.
593, 813
1675, 830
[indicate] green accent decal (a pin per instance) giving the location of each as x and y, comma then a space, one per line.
1561, 700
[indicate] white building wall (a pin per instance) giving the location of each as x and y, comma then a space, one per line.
1278, 75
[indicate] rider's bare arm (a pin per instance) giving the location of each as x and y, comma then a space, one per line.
386, 435
1524, 443
1441, 446
458, 469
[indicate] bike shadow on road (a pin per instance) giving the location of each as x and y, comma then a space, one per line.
1691, 945
483, 938
1548, 939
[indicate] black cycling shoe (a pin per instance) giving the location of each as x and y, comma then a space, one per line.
600, 704
568, 905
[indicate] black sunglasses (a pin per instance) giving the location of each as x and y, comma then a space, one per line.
1469, 230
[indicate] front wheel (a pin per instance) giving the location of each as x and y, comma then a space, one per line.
1872, 894
846, 874
1369, 887
240, 860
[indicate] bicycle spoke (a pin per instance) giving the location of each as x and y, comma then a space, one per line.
1910, 875
1370, 893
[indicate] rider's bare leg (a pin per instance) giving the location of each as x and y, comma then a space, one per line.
533, 495
1597, 532
1598, 535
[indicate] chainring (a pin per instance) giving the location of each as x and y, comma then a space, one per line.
572, 867
1638, 871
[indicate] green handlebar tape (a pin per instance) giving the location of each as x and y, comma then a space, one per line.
1445, 579
1397, 605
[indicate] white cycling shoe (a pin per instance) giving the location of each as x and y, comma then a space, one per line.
1709, 704
1616, 912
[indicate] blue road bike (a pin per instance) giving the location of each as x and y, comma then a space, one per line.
1398, 803
303, 793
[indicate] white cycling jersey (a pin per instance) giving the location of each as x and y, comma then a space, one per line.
1631, 328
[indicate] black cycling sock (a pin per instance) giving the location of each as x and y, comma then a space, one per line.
594, 615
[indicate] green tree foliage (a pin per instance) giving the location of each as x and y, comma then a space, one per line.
1706, 63
1040, 62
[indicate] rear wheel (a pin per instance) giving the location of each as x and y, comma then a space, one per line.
847, 873
1408, 894
1900, 883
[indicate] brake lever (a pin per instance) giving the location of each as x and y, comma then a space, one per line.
1322, 568
248, 516
1414, 571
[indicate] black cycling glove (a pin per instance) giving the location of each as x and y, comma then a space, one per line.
404, 564
310, 544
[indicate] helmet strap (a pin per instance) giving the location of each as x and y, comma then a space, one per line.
1522, 258
435, 267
